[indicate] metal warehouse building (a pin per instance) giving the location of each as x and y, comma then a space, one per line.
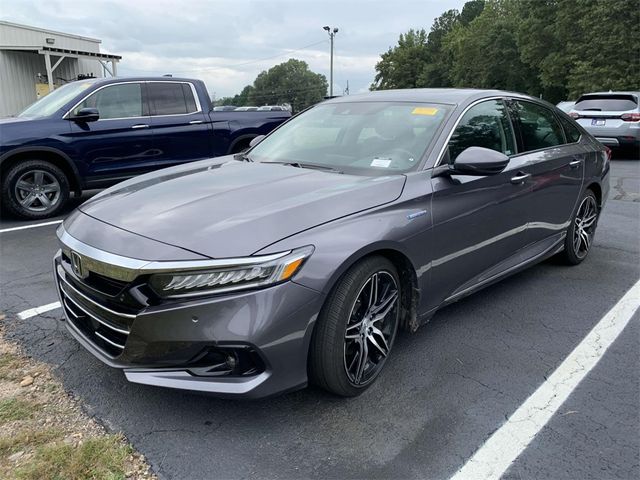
34, 61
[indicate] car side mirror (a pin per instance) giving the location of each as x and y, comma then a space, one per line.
256, 140
479, 161
86, 115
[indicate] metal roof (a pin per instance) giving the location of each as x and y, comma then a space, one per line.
62, 51
51, 32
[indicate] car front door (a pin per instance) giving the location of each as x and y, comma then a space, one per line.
182, 131
479, 222
555, 161
118, 144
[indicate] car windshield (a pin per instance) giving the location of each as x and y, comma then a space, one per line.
366, 138
51, 103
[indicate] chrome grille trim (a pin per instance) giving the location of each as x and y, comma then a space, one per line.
86, 312
93, 302
128, 269
110, 342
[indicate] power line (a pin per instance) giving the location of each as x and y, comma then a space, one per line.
220, 67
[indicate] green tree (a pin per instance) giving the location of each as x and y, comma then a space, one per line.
606, 56
239, 100
558, 49
289, 82
486, 53
402, 65
435, 71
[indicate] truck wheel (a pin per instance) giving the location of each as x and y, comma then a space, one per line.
34, 189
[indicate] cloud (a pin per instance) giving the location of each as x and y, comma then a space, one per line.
227, 43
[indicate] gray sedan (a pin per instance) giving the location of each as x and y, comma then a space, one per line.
299, 260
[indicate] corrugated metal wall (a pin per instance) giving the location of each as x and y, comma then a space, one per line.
19, 70
19, 74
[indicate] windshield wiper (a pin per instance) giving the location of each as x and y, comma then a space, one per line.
312, 166
243, 157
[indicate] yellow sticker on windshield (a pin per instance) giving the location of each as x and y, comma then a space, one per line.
424, 111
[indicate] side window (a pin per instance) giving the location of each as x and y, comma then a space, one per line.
484, 125
171, 98
572, 132
116, 101
538, 126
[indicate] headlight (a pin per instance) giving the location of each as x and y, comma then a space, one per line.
249, 272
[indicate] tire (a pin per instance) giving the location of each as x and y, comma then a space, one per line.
580, 233
34, 189
240, 146
340, 337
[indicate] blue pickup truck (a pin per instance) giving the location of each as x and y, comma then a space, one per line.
93, 133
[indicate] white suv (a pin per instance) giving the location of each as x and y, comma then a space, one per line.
612, 117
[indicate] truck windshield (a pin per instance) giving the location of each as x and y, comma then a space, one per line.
366, 138
51, 103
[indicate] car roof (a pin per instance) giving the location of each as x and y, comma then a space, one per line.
619, 92
451, 96
106, 80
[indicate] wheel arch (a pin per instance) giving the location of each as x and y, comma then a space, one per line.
406, 271
597, 191
55, 156
241, 140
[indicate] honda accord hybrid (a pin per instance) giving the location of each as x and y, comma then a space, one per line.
299, 260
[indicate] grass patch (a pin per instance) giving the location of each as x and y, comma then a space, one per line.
16, 409
10, 366
26, 438
100, 457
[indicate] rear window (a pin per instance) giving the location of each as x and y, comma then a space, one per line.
606, 103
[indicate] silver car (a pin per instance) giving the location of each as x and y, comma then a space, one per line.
612, 117
566, 106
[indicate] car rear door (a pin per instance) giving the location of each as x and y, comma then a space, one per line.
479, 222
120, 143
182, 130
554, 166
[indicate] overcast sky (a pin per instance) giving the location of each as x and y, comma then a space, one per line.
227, 43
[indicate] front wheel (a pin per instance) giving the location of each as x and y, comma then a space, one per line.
356, 328
582, 230
34, 189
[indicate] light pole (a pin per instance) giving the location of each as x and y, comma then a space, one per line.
332, 33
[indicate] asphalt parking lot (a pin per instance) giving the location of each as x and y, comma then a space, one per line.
445, 390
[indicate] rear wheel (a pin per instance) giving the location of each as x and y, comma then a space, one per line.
34, 189
356, 328
582, 230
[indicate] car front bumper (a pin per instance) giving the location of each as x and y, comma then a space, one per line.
164, 344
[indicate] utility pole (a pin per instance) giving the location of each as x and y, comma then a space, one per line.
332, 33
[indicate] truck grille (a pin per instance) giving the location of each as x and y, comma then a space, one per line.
105, 327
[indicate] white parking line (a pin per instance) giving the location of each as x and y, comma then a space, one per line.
32, 312
495, 456
25, 227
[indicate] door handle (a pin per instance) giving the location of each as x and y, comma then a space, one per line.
195, 122
576, 163
140, 125
520, 178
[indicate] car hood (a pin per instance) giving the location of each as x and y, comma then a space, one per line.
222, 208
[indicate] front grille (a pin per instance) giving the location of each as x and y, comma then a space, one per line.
104, 326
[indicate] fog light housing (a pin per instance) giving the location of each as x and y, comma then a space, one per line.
241, 361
